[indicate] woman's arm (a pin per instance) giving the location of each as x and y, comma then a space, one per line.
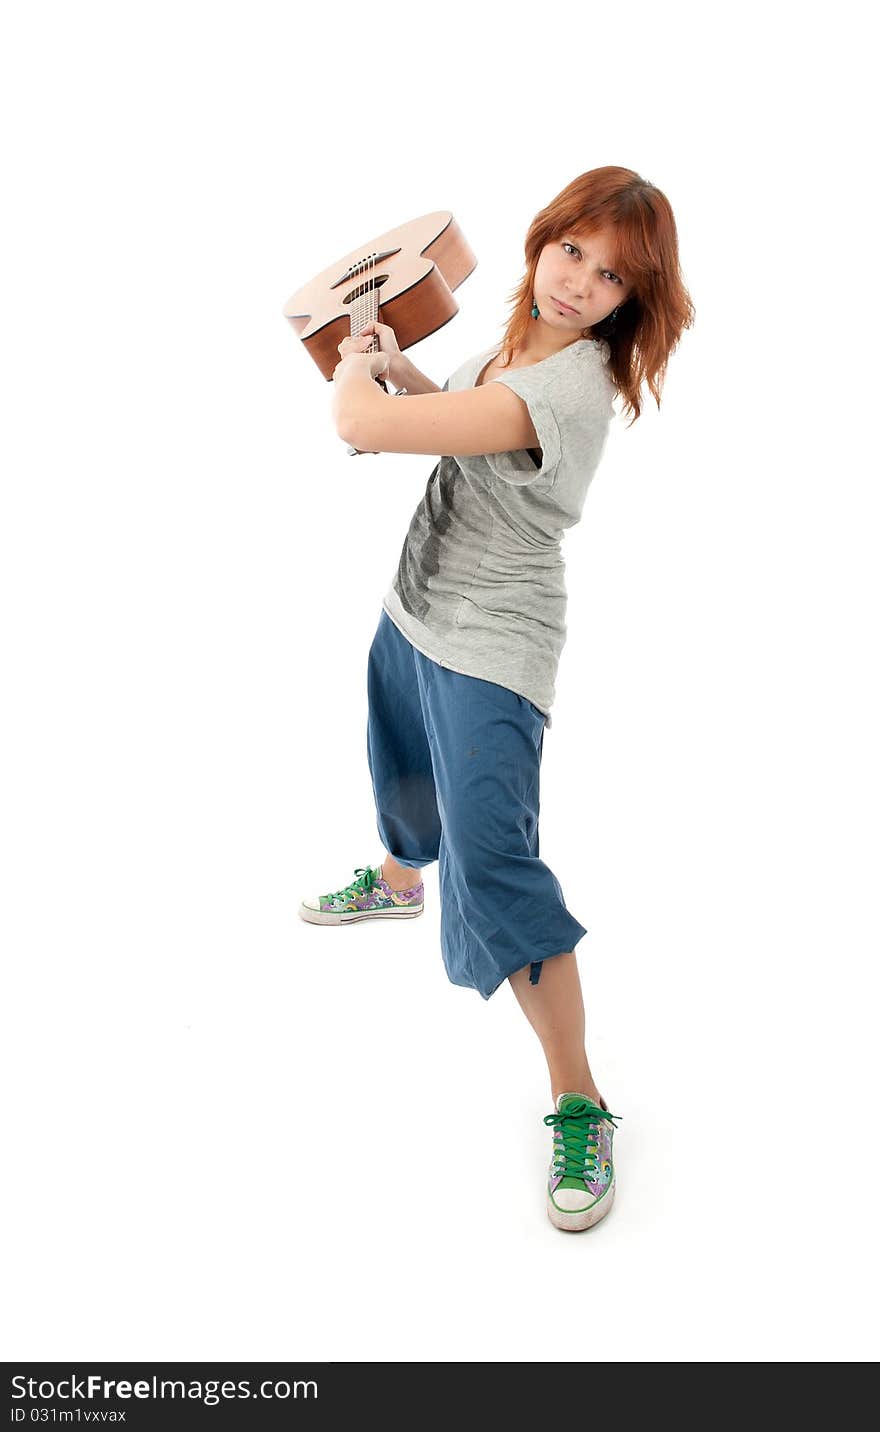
487, 419
404, 374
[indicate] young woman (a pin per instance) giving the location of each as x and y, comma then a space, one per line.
460, 674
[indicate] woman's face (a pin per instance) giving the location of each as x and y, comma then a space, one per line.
579, 270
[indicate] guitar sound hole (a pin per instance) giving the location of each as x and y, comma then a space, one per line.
376, 282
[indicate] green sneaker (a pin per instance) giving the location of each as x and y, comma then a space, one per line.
581, 1182
368, 897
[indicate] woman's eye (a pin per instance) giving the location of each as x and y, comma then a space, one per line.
613, 276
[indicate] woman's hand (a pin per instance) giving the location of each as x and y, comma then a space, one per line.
363, 341
358, 367
370, 365
353, 385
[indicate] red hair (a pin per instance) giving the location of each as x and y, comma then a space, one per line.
658, 309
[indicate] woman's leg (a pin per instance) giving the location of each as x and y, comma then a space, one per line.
554, 1008
399, 757
399, 877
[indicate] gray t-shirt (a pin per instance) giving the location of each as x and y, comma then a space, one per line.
480, 585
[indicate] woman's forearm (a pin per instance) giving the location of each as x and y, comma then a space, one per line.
353, 390
404, 374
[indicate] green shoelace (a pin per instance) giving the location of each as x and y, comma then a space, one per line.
576, 1141
359, 886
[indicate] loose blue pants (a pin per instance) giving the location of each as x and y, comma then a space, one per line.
455, 765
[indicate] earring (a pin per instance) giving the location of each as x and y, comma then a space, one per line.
534, 310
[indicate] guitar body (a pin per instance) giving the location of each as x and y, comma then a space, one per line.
410, 273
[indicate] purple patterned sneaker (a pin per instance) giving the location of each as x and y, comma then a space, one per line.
581, 1182
368, 897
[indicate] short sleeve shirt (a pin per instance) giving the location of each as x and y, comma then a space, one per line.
480, 584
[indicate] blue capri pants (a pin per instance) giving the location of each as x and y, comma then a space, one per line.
455, 765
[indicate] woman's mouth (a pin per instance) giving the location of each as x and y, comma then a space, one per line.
566, 307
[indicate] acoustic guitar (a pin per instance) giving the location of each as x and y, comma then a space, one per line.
410, 273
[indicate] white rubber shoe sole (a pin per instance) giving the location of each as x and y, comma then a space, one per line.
577, 1222
316, 916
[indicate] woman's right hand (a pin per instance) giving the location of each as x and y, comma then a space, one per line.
363, 342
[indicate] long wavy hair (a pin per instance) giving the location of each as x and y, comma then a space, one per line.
651, 320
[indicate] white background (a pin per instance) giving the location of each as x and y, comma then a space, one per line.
233, 1135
